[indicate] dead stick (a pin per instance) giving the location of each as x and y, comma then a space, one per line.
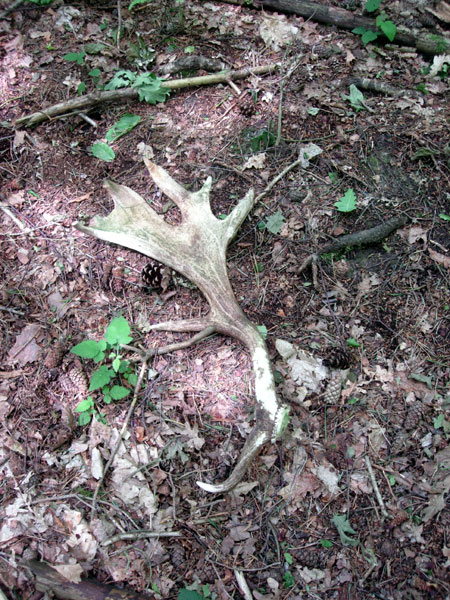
90, 100
366, 236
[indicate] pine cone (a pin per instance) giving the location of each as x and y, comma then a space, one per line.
337, 358
413, 416
156, 276
247, 106
310, 558
177, 554
334, 388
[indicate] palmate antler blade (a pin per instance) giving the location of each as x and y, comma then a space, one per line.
197, 249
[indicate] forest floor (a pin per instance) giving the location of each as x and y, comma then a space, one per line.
351, 502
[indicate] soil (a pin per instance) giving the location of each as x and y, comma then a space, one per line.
352, 502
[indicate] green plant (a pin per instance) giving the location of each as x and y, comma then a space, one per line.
147, 84
343, 526
103, 151
347, 202
356, 98
40, 2
275, 222
77, 57
103, 379
383, 25
137, 2
288, 580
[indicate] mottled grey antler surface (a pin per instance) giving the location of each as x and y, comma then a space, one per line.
197, 249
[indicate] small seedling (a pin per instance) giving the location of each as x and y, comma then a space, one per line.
385, 26
103, 378
147, 84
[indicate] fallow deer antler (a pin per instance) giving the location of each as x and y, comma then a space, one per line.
197, 249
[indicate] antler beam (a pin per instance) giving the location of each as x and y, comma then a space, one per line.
197, 249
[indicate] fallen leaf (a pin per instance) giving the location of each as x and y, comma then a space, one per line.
25, 349
70, 572
440, 258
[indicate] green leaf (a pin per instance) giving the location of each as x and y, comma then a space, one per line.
359, 30
352, 401
326, 543
100, 377
87, 349
312, 110
77, 57
84, 418
392, 479
136, 2
116, 364
262, 330
288, 580
288, 558
123, 126
347, 203
369, 36
343, 526
380, 19
85, 405
132, 379
121, 79
422, 378
81, 88
275, 222
389, 29
352, 343
189, 49
149, 88
107, 398
355, 98
118, 392
103, 151
444, 217
94, 48
438, 421
185, 594
372, 5
118, 332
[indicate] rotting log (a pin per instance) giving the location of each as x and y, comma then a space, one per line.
197, 249
427, 43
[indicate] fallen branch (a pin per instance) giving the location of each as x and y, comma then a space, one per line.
366, 236
50, 580
63, 109
427, 43
197, 249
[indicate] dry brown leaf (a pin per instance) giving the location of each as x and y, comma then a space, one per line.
25, 349
439, 258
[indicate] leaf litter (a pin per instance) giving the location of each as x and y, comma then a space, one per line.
393, 301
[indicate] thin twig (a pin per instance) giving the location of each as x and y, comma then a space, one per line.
139, 535
147, 354
243, 585
376, 489
119, 440
119, 22
19, 224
